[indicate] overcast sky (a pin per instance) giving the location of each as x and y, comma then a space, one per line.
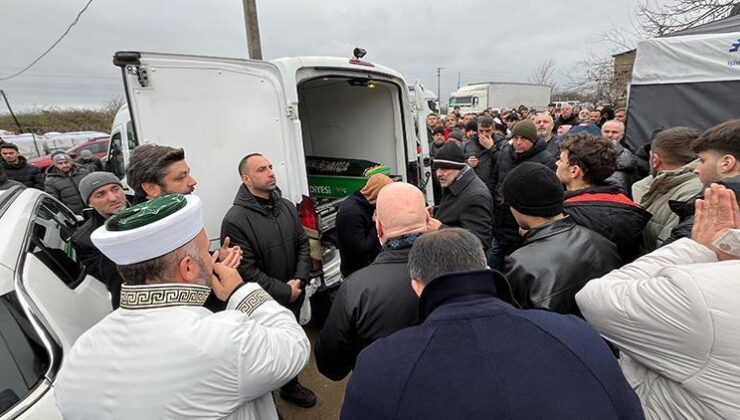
482, 40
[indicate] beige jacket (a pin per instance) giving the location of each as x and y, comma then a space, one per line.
654, 193
675, 316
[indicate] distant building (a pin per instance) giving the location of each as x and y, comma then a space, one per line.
623, 64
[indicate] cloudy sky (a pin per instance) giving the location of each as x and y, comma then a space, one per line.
480, 40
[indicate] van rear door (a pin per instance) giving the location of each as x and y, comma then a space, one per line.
218, 110
420, 110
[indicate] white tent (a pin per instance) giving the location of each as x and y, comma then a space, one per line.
690, 79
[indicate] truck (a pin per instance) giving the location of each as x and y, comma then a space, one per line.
478, 97
296, 111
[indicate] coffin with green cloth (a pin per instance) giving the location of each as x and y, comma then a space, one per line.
337, 177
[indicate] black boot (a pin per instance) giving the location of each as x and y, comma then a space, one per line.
299, 395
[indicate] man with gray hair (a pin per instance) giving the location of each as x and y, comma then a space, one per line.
545, 124
376, 301
474, 356
628, 171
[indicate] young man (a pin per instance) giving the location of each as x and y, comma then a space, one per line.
155, 170
674, 313
482, 152
162, 355
18, 169
475, 356
557, 256
376, 301
63, 180
584, 165
672, 178
276, 250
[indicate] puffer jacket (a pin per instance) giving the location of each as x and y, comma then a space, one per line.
654, 193
274, 243
607, 211
685, 211
673, 314
554, 263
505, 228
25, 173
65, 187
6, 183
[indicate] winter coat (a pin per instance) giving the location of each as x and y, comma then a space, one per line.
553, 147
627, 172
274, 243
436, 188
487, 161
467, 204
562, 120
357, 238
673, 314
372, 303
96, 264
65, 186
6, 183
607, 211
685, 211
654, 193
25, 173
476, 357
505, 228
554, 263
92, 164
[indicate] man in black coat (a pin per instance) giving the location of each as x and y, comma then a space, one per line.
524, 147
474, 356
466, 201
103, 192
6, 183
628, 169
63, 180
377, 300
18, 169
275, 246
481, 153
357, 238
585, 163
558, 256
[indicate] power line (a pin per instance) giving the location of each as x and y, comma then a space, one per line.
74, 22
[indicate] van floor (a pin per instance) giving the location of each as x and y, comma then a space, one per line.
329, 394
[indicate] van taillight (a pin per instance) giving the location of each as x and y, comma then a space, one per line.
307, 213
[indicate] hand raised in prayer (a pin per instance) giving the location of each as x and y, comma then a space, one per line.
231, 256
716, 214
224, 280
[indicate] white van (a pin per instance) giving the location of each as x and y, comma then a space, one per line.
221, 109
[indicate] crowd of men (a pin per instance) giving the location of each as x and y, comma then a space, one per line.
561, 273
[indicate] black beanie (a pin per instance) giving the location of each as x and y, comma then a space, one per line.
533, 189
449, 156
471, 125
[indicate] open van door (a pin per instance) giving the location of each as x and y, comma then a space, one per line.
218, 110
420, 109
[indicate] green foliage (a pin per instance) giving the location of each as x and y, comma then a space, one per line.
44, 120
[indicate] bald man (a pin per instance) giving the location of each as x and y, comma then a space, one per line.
377, 300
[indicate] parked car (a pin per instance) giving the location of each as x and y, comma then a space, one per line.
98, 146
46, 300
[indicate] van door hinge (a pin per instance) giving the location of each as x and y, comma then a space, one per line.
291, 112
141, 73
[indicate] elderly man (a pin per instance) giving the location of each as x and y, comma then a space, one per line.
162, 355
18, 169
673, 314
103, 192
63, 180
377, 300
474, 356
567, 117
545, 124
466, 200
628, 170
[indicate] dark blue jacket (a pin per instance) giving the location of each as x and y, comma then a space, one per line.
357, 238
477, 357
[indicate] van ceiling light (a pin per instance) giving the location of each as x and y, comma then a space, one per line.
371, 85
358, 82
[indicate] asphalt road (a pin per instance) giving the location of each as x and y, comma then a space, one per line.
329, 394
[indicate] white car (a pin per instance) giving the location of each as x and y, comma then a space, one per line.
46, 300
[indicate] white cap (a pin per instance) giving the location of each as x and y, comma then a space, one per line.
162, 235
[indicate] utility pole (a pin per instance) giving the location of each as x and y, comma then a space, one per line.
458, 80
254, 46
12, 114
439, 72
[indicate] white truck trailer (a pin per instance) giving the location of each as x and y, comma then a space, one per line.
478, 97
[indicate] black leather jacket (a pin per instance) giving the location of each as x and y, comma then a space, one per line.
554, 262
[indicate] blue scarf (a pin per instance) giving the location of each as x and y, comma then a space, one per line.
401, 242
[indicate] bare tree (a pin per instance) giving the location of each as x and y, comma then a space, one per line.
657, 19
543, 72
